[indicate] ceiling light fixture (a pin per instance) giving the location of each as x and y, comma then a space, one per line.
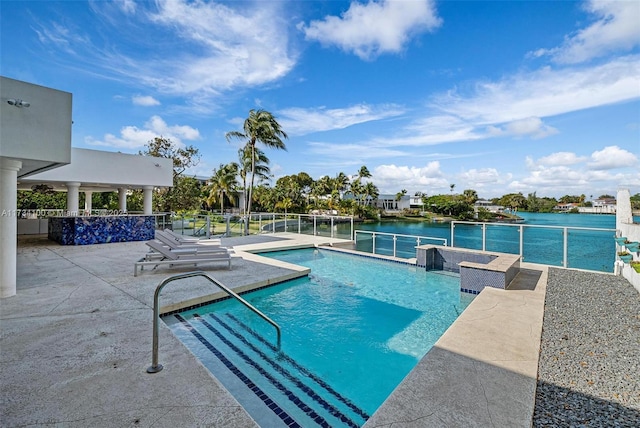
18, 103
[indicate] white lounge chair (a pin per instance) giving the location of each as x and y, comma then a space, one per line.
165, 256
180, 238
170, 242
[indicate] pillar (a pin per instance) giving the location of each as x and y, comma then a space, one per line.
122, 199
73, 196
147, 192
88, 202
8, 225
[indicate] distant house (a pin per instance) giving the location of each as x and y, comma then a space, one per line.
388, 202
600, 206
488, 205
565, 207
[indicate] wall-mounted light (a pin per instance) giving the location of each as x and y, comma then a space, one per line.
18, 103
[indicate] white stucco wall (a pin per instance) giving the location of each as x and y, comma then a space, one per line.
95, 169
626, 227
39, 135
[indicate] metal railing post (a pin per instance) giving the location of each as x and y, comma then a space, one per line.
395, 240
565, 252
315, 233
352, 232
373, 241
484, 237
273, 223
521, 242
208, 233
260, 222
453, 226
299, 224
332, 226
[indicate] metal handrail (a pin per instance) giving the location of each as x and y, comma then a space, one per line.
155, 367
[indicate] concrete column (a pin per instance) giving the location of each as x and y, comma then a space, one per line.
87, 201
73, 196
8, 225
122, 199
147, 192
624, 213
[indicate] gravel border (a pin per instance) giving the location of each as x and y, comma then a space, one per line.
589, 368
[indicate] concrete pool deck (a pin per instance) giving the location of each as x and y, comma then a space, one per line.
76, 340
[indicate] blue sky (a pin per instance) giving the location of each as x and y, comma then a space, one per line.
496, 96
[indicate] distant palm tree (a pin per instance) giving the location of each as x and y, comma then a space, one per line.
364, 172
370, 192
223, 182
260, 127
451, 187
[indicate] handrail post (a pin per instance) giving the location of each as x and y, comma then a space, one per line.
565, 243
315, 233
453, 226
373, 241
395, 239
299, 224
331, 226
484, 237
521, 242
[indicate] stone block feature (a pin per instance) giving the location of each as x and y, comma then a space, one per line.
477, 269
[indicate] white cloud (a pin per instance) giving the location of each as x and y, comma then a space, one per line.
616, 29
132, 137
375, 28
561, 158
479, 178
391, 178
300, 121
351, 151
612, 157
546, 92
531, 126
145, 100
127, 6
218, 48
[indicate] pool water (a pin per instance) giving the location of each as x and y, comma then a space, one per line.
351, 331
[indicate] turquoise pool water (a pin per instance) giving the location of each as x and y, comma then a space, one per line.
351, 332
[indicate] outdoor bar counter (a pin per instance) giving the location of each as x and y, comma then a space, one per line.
101, 229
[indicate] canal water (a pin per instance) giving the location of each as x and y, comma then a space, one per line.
585, 249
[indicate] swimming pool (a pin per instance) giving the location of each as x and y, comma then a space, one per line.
351, 331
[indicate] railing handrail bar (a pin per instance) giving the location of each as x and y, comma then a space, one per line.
155, 367
600, 229
400, 234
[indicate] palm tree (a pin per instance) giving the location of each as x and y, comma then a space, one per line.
370, 192
260, 127
224, 181
262, 170
364, 172
451, 187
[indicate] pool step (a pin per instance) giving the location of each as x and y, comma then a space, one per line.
292, 392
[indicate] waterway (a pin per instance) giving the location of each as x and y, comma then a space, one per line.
585, 249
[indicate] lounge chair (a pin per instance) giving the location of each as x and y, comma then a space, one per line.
180, 238
165, 256
170, 242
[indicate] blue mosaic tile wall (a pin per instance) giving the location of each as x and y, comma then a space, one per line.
100, 230
473, 280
